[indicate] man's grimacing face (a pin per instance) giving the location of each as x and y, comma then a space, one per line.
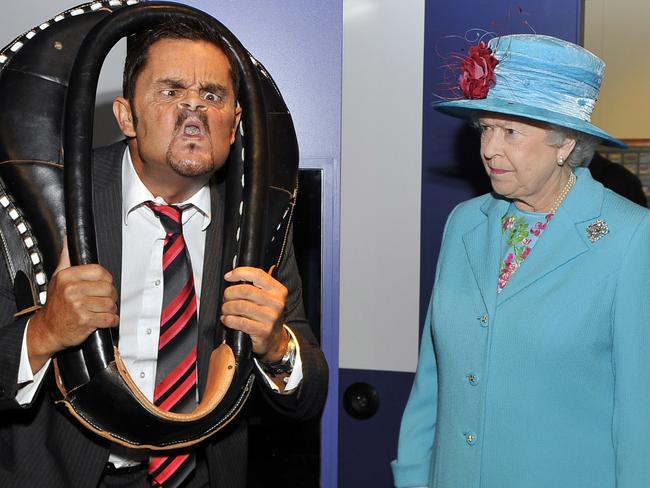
185, 109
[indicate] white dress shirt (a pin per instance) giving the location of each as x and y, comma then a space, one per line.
142, 286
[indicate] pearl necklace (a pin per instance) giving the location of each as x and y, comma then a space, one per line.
563, 194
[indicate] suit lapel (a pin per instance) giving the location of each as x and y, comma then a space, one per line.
211, 284
107, 205
564, 239
483, 248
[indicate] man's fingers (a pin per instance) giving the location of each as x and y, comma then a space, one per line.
256, 277
255, 306
82, 290
100, 305
105, 320
85, 273
237, 322
253, 294
251, 311
89, 321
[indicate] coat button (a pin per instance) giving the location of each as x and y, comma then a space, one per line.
470, 438
472, 378
484, 319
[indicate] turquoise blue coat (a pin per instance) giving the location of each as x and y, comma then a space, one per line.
548, 386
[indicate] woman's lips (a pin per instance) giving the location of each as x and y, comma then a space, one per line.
498, 171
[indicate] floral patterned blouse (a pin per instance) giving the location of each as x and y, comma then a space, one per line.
520, 230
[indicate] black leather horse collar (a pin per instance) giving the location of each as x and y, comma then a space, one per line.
91, 380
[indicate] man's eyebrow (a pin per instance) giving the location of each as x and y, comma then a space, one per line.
170, 82
217, 88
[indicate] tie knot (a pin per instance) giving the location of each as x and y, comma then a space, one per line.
169, 215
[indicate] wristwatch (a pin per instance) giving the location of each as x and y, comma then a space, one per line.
285, 364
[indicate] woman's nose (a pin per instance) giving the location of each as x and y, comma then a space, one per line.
489, 144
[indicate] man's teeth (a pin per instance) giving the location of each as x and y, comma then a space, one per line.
191, 130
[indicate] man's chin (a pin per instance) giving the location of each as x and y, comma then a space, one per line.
193, 167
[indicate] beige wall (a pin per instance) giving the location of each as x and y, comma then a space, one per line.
617, 31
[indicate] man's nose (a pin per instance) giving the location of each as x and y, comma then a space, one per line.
192, 101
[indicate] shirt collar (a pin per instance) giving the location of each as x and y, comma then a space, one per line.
135, 194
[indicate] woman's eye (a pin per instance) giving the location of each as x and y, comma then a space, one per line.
169, 92
511, 132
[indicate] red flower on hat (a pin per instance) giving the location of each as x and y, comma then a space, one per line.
477, 72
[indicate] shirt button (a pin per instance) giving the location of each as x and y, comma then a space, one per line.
142, 375
470, 438
472, 378
148, 331
484, 320
157, 282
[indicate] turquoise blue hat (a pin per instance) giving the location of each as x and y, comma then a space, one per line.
536, 77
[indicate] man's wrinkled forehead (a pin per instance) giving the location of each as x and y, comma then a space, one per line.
160, 52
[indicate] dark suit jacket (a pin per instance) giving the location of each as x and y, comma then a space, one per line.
41, 446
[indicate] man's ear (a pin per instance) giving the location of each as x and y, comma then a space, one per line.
124, 116
233, 133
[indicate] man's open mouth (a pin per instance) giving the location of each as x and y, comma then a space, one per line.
192, 125
192, 130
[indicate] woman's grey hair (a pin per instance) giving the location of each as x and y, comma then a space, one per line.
584, 149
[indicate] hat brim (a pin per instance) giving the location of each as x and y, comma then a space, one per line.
467, 109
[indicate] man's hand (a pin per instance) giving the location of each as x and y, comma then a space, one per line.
80, 299
255, 306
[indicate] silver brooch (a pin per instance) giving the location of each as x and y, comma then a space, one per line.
597, 230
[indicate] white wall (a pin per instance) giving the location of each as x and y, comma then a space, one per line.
380, 183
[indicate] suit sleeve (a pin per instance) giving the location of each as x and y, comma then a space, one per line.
308, 399
631, 362
11, 340
418, 428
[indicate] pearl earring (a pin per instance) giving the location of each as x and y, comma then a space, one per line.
560, 161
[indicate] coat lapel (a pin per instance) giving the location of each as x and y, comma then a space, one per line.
483, 248
211, 284
564, 239
107, 205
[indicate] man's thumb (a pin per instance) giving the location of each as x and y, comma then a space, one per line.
64, 258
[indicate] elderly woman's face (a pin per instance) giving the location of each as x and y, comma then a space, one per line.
520, 162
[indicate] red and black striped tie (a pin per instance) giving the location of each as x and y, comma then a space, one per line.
175, 389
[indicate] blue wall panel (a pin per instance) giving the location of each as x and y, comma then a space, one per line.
368, 446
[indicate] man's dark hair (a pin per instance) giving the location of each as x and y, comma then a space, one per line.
138, 44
